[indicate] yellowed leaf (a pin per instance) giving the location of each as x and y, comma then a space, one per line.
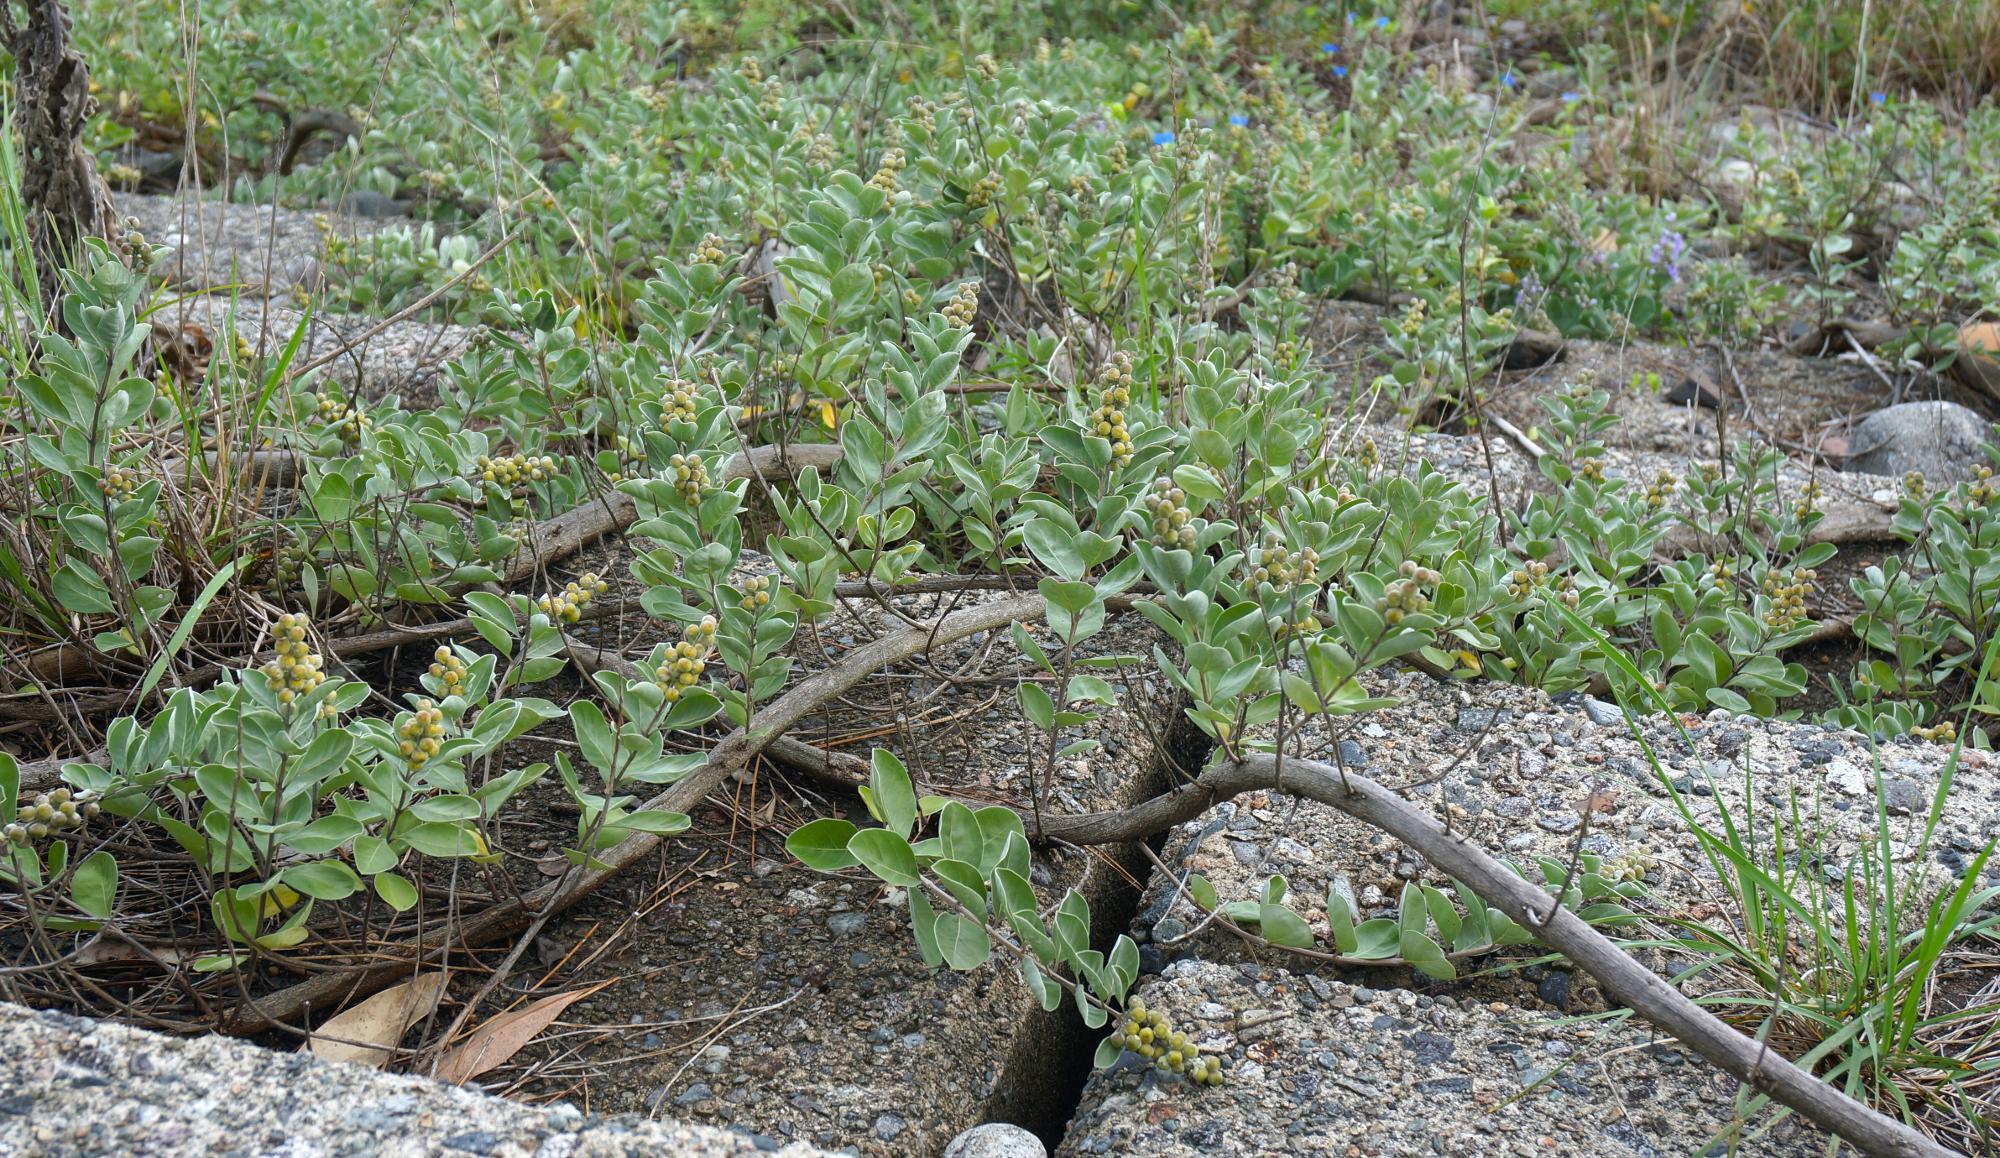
367, 1034
1605, 242
501, 1036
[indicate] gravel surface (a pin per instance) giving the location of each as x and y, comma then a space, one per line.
72, 1086
250, 250
404, 358
1318, 1066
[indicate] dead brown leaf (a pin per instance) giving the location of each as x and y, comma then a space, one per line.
501, 1036
367, 1034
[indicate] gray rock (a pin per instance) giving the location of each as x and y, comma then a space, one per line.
1602, 714
889, 1126
847, 924
996, 1140
1904, 797
1941, 439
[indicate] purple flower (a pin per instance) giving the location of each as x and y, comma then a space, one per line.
1163, 137
1665, 254
1340, 70
1529, 293
1878, 98
1238, 119
1329, 48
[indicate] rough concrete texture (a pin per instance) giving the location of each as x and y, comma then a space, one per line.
1510, 767
255, 251
369, 360
72, 1086
1316, 1066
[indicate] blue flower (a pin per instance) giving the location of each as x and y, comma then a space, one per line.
1163, 137
1571, 97
1507, 79
1350, 17
1878, 98
1329, 48
1238, 119
1381, 22
1340, 70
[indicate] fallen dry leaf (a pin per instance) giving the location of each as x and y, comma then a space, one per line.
501, 1036
1981, 336
368, 1032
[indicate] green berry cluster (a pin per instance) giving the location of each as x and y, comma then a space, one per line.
1149, 1034
690, 476
982, 191
1629, 866
50, 812
1274, 564
1914, 485
1981, 492
296, 671
1406, 595
1660, 491
687, 660
566, 606
679, 399
751, 69
756, 594
1943, 732
773, 103
1787, 592
515, 469
449, 670
1591, 470
819, 151
344, 420
963, 306
1808, 502
709, 251
885, 177
924, 113
985, 67
1532, 576
117, 483
1173, 523
1114, 391
420, 734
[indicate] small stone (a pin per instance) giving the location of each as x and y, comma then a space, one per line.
1246, 853
847, 924
1553, 989
1482, 719
1903, 797
698, 1092
1847, 777
996, 1140
889, 1126
1602, 714
1559, 825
